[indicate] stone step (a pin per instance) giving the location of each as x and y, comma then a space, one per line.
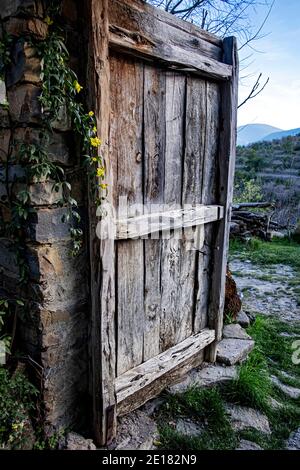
209, 375
247, 418
248, 445
288, 390
231, 351
243, 319
136, 431
293, 442
234, 330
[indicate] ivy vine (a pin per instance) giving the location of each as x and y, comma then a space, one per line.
60, 94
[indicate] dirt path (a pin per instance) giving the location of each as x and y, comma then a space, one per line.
268, 290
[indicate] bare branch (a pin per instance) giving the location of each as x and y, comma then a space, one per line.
256, 90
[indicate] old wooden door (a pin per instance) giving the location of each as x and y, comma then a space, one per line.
165, 97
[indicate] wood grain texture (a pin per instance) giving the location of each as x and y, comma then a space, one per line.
136, 227
225, 168
141, 378
154, 155
173, 56
142, 20
171, 248
125, 147
208, 196
195, 132
102, 281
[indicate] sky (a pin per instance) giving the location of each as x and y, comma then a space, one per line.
277, 56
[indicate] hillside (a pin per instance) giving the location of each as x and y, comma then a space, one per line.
281, 134
274, 171
254, 132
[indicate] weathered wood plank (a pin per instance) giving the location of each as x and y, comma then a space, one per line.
144, 20
195, 132
102, 281
208, 196
139, 380
126, 147
171, 55
154, 155
140, 226
170, 254
226, 164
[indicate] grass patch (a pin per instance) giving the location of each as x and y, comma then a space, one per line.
205, 406
279, 251
252, 386
277, 350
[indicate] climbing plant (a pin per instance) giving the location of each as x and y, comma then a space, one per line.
60, 96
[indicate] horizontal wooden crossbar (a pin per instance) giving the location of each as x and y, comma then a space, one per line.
171, 55
138, 385
142, 225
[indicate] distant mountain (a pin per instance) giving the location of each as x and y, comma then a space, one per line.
251, 133
281, 134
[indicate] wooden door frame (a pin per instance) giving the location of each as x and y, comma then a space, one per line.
102, 279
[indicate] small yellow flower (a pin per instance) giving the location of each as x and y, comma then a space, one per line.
100, 172
94, 159
94, 129
48, 21
77, 86
95, 141
91, 113
103, 186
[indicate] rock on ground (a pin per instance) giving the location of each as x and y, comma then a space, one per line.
136, 431
288, 390
267, 289
248, 445
188, 427
74, 441
247, 418
293, 442
234, 330
243, 319
231, 351
208, 375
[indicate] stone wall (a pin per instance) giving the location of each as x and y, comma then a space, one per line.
53, 333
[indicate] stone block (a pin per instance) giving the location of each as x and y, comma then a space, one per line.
234, 330
243, 319
232, 351
14, 7
136, 431
24, 105
247, 418
25, 65
62, 278
26, 26
60, 144
63, 121
248, 445
8, 261
5, 135
46, 226
293, 442
3, 97
74, 441
4, 117
209, 375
